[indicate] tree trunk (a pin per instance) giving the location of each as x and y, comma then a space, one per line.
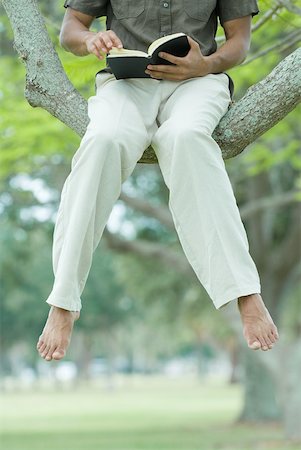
83, 356
291, 373
260, 399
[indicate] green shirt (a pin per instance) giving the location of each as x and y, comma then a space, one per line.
139, 22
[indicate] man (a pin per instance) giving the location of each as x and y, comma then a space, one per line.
175, 110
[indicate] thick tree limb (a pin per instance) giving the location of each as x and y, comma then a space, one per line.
47, 86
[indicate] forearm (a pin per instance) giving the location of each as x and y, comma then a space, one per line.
73, 37
77, 38
232, 53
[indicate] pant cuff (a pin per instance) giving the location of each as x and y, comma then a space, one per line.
235, 294
64, 304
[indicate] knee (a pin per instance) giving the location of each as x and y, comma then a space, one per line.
95, 145
182, 133
105, 139
103, 145
188, 132
187, 143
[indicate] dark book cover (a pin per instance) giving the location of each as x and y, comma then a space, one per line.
135, 66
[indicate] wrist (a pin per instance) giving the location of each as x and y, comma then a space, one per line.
210, 66
203, 67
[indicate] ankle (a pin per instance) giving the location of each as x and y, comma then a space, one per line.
66, 312
248, 298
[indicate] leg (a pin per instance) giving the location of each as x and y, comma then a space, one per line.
201, 200
115, 139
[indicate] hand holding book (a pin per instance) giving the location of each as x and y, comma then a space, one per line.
195, 64
126, 63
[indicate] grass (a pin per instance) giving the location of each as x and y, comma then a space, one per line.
152, 413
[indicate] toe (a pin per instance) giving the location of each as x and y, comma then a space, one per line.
268, 341
45, 352
49, 354
40, 342
275, 333
272, 338
255, 345
42, 348
264, 345
59, 353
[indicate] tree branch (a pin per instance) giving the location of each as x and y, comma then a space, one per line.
291, 39
148, 249
275, 201
264, 104
259, 22
290, 6
161, 213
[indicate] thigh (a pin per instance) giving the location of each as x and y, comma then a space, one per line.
198, 102
125, 107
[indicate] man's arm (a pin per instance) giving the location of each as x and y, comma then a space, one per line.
230, 54
77, 38
236, 47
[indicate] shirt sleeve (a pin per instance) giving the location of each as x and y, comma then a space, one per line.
95, 8
234, 9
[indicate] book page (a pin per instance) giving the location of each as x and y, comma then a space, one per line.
126, 52
161, 40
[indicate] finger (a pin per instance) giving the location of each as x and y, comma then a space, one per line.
115, 39
101, 42
162, 68
94, 48
192, 42
97, 52
171, 58
107, 41
164, 76
98, 49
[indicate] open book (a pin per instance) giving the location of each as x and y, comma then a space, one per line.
126, 63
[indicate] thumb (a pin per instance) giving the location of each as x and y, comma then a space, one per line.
192, 42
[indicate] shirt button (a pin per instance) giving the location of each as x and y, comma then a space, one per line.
166, 5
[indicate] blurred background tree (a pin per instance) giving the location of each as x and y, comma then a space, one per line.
142, 303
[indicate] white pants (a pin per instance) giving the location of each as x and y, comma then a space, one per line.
177, 119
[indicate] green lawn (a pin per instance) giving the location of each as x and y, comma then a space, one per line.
152, 413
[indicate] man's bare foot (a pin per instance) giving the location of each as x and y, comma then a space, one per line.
258, 326
56, 334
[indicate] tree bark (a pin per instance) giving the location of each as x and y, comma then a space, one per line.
292, 391
47, 86
260, 401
